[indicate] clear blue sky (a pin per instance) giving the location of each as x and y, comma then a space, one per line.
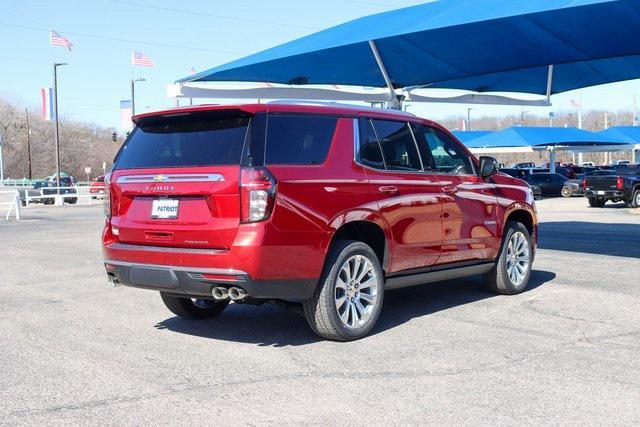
203, 34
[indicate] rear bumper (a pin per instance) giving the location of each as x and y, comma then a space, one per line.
199, 282
605, 194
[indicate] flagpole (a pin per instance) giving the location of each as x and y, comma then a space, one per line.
55, 110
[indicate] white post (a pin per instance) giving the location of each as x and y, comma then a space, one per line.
18, 205
552, 159
26, 198
635, 154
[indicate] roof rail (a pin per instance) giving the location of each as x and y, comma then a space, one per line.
337, 105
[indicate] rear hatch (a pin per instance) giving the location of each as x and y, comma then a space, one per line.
176, 180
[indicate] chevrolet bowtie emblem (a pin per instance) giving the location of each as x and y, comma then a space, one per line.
160, 178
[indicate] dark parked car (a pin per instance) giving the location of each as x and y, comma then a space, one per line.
524, 165
48, 187
619, 184
330, 208
550, 183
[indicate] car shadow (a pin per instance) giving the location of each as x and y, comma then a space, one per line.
269, 325
591, 237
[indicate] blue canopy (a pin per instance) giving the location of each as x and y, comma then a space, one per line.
542, 137
478, 45
628, 134
467, 135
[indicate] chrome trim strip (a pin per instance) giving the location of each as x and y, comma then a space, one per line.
228, 271
197, 251
161, 178
233, 278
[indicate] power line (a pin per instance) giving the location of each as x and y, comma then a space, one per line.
119, 39
199, 13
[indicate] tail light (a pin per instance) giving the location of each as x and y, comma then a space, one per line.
106, 200
619, 183
257, 194
584, 183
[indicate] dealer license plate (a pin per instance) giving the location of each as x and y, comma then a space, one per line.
600, 193
165, 208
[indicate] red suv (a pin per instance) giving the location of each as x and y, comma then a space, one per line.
324, 205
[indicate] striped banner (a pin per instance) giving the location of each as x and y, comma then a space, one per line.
46, 95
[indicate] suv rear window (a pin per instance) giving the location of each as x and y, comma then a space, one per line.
297, 139
196, 139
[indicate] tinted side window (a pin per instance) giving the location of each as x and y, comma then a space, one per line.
423, 146
448, 156
369, 153
398, 147
296, 139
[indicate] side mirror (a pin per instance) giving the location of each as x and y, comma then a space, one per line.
488, 166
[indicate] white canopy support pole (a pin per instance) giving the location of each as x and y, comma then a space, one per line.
635, 154
549, 83
552, 159
393, 98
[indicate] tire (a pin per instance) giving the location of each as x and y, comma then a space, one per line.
635, 199
72, 201
190, 309
595, 202
566, 192
502, 279
339, 310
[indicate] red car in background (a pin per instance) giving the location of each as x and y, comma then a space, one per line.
97, 187
327, 206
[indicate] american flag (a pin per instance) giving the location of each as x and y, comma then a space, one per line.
193, 71
139, 58
57, 40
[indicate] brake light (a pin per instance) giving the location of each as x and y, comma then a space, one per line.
257, 194
619, 183
106, 201
584, 183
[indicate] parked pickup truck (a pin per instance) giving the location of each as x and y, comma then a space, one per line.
619, 184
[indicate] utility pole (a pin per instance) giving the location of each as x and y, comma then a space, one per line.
26, 114
55, 111
133, 95
1, 167
468, 119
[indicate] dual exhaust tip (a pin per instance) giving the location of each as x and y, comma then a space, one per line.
233, 293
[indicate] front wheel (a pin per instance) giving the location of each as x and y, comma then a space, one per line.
566, 192
512, 270
193, 308
348, 300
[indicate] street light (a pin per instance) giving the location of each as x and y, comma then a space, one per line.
55, 111
133, 94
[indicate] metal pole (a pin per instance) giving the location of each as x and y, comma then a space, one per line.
133, 97
1, 164
55, 111
468, 119
393, 97
26, 113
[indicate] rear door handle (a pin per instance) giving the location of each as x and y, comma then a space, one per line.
388, 189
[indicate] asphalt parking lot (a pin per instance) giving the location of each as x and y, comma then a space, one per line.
75, 351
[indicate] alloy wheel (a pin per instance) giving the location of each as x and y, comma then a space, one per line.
518, 258
356, 291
